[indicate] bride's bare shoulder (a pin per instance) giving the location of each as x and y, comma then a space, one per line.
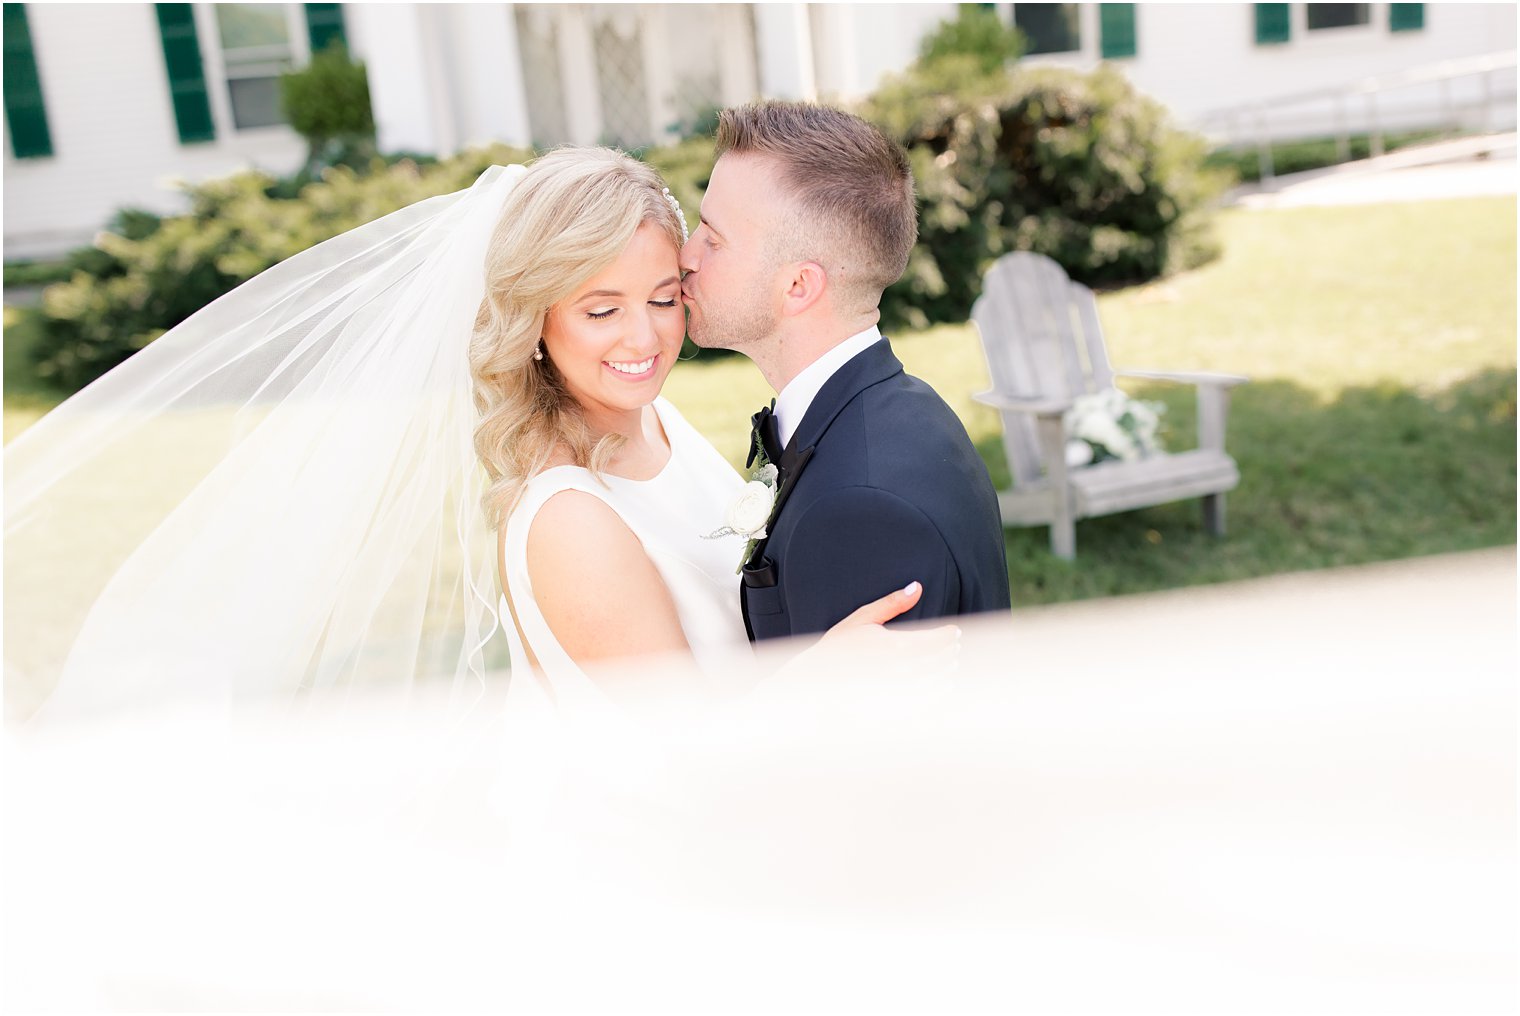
571, 513
560, 456
575, 532
595, 584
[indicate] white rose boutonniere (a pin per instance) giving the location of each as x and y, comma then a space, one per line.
749, 513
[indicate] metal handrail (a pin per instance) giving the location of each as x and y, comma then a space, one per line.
1367, 89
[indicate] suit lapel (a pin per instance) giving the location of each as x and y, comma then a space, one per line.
872, 366
790, 465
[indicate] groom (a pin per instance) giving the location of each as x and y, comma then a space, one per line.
809, 215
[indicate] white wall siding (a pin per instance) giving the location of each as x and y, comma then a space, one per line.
1199, 58
114, 138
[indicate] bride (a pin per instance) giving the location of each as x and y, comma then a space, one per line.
284, 492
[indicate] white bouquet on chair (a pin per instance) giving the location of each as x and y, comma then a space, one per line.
1110, 425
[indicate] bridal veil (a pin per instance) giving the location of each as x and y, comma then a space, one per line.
279, 494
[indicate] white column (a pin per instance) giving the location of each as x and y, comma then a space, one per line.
409, 97
578, 76
884, 39
1090, 29
739, 81
659, 58
488, 74
834, 51
784, 42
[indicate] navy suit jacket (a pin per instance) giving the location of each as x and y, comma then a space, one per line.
880, 486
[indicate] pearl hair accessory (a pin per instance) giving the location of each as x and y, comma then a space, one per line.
679, 217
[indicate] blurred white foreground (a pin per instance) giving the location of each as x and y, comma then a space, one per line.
1292, 795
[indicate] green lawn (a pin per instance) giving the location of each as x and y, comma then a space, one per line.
25, 398
1380, 421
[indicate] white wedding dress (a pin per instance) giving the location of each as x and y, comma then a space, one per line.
673, 515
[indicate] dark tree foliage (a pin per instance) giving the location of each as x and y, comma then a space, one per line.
1076, 166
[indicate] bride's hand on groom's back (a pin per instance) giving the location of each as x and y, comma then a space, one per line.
894, 667
880, 611
864, 638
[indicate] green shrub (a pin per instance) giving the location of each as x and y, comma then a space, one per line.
699, 121
135, 223
1079, 167
977, 35
327, 103
127, 290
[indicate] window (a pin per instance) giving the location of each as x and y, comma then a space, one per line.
1272, 20
250, 45
1338, 15
1050, 28
256, 49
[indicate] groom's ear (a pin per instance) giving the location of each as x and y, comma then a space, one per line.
808, 286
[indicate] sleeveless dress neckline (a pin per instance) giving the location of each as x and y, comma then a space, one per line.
659, 413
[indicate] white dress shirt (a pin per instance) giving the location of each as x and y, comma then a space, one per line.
793, 401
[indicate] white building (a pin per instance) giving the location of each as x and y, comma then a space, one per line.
106, 104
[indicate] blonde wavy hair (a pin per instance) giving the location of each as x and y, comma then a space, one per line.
570, 217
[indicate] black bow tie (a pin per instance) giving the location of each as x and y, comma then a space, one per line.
764, 434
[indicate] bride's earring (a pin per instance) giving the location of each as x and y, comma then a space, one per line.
538, 353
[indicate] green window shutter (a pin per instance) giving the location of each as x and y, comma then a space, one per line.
25, 114
187, 76
1406, 17
1271, 24
324, 23
1116, 30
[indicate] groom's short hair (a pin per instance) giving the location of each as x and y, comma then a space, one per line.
852, 190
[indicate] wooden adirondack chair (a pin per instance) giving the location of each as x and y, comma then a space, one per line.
1044, 348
